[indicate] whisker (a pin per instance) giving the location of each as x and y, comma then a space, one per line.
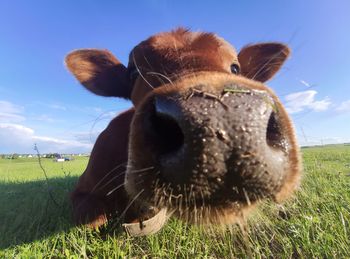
104, 177
114, 189
130, 203
144, 170
268, 62
112, 179
246, 196
155, 73
141, 170
162, 75
138, 70
98, 119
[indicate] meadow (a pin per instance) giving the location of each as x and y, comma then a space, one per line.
314, 224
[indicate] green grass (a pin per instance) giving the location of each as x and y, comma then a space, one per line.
313, 225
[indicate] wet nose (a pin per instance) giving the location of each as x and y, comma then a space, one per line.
205, 136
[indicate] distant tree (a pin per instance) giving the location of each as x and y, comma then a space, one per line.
56, 155
14, 156
3, 156
50, 155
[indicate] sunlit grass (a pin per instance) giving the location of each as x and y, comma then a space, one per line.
314, 224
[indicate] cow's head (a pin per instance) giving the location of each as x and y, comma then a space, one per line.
208, 138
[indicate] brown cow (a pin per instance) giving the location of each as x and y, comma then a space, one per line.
206, 139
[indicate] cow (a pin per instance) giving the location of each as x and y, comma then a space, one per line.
205, 140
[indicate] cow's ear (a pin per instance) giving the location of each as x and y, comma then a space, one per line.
100, 72
260, 62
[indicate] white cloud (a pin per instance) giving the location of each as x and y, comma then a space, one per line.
44, 117
8, 107
87, 137
97, 109
15, 138
344, 107
297, 102
10, 112
18, 138
17, 128
58, 107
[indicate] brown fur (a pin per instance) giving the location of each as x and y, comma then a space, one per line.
168, 63
104, 172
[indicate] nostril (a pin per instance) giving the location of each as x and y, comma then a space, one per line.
166, 131
274, 135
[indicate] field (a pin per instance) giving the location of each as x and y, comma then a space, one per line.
315, 224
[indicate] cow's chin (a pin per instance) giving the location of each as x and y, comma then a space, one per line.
193, 212
214, 215
201, 212
147, 189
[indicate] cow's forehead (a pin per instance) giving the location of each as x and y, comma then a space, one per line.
181, 41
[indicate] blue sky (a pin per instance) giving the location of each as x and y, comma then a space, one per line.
40, 102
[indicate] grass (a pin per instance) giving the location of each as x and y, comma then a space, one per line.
316, 224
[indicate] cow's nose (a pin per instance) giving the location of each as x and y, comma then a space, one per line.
164, 126
172, 134
237, 137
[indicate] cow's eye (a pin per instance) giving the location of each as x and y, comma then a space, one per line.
133, 74
235, 69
